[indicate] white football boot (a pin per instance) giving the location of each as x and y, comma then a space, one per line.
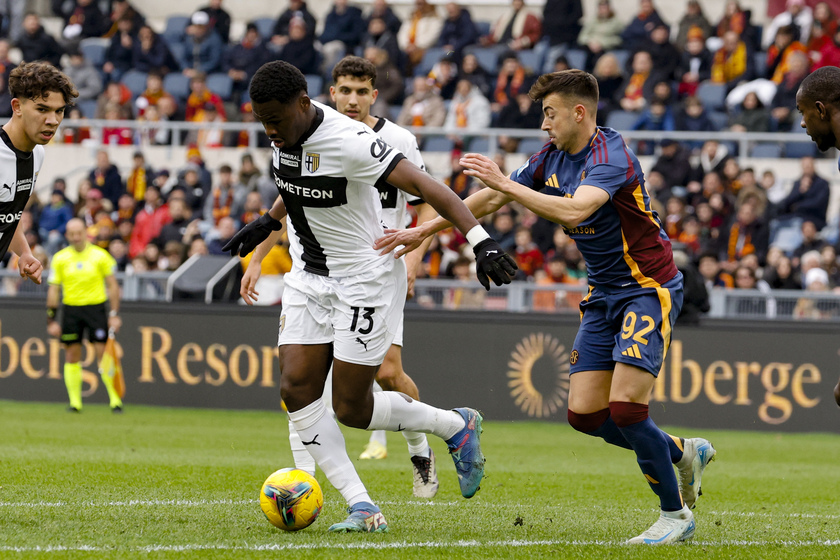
671, 527
697, 454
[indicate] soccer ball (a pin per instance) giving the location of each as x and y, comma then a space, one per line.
291, 499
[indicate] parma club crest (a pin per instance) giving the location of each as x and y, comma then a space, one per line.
312, 162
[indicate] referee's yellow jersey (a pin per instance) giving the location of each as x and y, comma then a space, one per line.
81, 275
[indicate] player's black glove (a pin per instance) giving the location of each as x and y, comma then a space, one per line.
492, 263
246, 239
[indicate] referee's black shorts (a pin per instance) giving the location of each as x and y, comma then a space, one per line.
78, 319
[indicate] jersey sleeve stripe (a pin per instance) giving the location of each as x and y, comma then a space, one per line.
383, 179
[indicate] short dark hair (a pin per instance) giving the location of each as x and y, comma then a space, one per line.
823, 84
576, 84
355, 66
277, 80
35, 80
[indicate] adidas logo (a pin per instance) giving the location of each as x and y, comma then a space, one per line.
632, 352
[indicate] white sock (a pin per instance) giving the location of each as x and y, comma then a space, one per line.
323, 440
326, 396
418, 444
395, 412
303, 460
379, 437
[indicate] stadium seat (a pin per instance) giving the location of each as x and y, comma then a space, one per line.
480, 145
94, 50
531, 146
720, 119
532, 59
220, 84
315, 83
135, 81
179, 53
766, 150
488, 58
483, 28
622, 120
87, 107
430, 58
437, 144
265, 27
177, 85
621, 56
760, 61
576, 58
175, 27
800, 149
712, 95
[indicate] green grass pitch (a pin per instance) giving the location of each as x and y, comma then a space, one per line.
182, 483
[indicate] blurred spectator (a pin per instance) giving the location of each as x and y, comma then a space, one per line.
695, 63
675, 214
152, 54
84, 76
694, 17
219, 19
444, 76
828, 258
226, 199
610, 79
808, 199
528, 257
299, 50
503, 228
457, 180
203, 47
126, 208
750, 192
139, 178
174, 254
458, 30
637, 33
211, 134
822, 32
423, 107
810, 242
783, 109
673, 164
738, 20
713, 275
11, 20
656, 116
251, 210
242, 60
381, 9
696, 297
420, 32
518, 28
181, 227
379, 36
561, 23
816, 280
92, 203
197, 247
774, 188
150, 219
779, 53
344, 28
523, 114
106, 178
638, 87
6, 67
692, 117
782, 276
753, 116
663, 53
83, 20
389, 82
297, 8
829, 54
601, 34
153, 135
195, 193
37, 44
123, 9
152, 95
747, 235
119, 250
797, 16
119, 57
512, 78
462, 297
52, 223
733, 62
468, 111
115, 95
75, 135
224, 230
199, 99
115, 134
249, 174
472, 70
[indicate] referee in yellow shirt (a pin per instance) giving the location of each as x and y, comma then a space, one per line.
81, 273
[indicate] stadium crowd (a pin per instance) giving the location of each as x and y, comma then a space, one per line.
736, 226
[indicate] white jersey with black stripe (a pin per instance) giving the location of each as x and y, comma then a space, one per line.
18, 173
328, 182
394, 201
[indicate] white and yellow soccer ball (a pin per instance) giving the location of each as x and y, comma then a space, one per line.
291, 499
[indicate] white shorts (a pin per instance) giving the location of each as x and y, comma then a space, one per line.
360, 315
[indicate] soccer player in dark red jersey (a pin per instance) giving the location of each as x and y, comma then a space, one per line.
587, 180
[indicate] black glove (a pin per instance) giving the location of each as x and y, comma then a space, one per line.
246, 239
493, 263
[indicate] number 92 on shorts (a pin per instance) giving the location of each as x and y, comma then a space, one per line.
359, 314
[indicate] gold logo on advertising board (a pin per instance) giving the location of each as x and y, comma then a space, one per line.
527, 397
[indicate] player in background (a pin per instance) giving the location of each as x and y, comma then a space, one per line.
83, 275
343, 302
354, 91
818, 101
589, 182
40, 92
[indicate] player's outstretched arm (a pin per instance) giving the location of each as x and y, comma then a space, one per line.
246, 239
568, 212
481, 203
28, 265
492, 263
247, 288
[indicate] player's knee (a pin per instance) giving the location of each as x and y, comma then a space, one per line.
388, 375
628, 413
588, 423
350, 414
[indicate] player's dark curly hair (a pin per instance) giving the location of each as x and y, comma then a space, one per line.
576, 84
823, 84
279, 81
35, 80
357, 67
